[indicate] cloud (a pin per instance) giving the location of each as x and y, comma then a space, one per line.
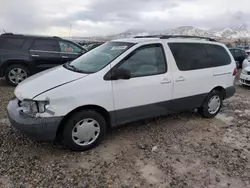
102, 17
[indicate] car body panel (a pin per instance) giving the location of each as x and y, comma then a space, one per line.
37, 83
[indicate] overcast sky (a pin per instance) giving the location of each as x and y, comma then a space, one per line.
103, 17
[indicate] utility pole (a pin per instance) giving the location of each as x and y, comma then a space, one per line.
70, 27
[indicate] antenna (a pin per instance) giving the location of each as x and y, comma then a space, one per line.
4, 31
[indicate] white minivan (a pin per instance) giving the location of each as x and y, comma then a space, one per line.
123, 81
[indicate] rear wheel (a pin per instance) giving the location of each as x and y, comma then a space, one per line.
15, 74
84, 130
212, 104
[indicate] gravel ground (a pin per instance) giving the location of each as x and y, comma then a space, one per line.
181, 150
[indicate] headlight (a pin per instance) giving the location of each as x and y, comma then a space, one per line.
32, 107
244, 71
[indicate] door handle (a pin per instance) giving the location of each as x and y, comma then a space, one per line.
65, 57
180, 79
165, 81
223, 73
35, 55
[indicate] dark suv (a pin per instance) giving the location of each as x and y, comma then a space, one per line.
23, 55
239, 56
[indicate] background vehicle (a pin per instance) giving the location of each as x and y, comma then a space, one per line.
133, 79
245, 76
247, 50
246, 62
23, 55
92, 46
239, 56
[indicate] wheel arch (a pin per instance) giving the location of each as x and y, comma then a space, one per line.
99, 109
221, 89
15, 62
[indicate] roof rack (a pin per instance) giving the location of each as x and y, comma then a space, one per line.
18, 35
7, 34
175, 36
149, 36
57, 37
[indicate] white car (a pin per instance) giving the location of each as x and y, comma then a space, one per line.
123, 81
246, 62
245, 76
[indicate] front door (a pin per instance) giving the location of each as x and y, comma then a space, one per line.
148, 92
45, 54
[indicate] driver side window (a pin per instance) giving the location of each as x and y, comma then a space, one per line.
145, 61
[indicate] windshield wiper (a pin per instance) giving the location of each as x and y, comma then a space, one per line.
72, 67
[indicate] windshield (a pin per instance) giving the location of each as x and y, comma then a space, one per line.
98, 58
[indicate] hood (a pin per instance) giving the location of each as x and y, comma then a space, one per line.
45, 81
247, 68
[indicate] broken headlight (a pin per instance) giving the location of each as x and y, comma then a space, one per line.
32, 107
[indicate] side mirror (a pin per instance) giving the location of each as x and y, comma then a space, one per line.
121, 74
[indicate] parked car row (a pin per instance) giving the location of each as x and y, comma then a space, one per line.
120, 82
23, 55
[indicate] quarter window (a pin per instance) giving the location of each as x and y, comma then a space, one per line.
69, 47
11, 43
192, 56
218, 55
145, 61
45, 45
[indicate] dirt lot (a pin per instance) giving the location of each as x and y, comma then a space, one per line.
181, 150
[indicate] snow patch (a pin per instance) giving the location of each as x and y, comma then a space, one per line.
226, 119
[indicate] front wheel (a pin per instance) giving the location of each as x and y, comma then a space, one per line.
212, 105
84, 130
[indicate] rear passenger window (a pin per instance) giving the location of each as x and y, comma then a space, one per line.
45, 45
11, 43
218, 55
190, 56
145, 61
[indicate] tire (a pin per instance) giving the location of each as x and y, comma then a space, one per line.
205, 110
22, 75
78, 124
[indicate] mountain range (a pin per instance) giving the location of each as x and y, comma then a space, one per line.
241, 32
227, 33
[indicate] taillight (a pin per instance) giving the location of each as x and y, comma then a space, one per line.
235, 71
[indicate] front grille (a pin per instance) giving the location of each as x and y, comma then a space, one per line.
247, 81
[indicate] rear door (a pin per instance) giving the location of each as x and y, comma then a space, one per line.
45, 53
192, 75
69, 51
